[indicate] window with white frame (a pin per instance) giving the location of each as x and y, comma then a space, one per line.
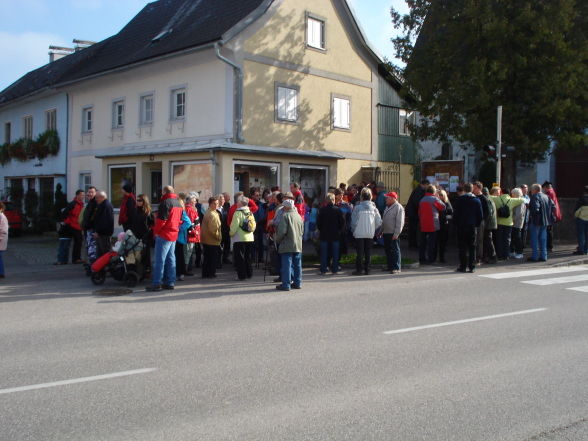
27, 123
85, 181
7, 132
146, 109
118, 114
315, 32
405, 118
87, 119
178, 97
341, 112
51, 119
287, 103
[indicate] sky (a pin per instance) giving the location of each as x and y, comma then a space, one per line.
29, 27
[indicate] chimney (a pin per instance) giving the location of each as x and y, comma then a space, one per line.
57, 52
82, 44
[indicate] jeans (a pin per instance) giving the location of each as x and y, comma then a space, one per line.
582, 228
392, 249
329, 256
364, 254
164, 263
63, 249
242, 257
503, 248
291, 262
2, 263
538, 241
427, 247
466, 242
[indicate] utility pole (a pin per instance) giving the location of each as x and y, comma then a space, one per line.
499, 145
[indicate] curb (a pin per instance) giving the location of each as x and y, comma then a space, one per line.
581, 261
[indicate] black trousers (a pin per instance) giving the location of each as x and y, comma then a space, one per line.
466, 242
549, 237
210, 259
77, 245
103, 245
413, 231
427, 247
226, 242
180, 260
442, 238
364, 254
242, 257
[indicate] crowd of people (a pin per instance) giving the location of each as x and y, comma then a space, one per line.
269, 227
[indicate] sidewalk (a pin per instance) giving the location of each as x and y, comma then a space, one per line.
37, 254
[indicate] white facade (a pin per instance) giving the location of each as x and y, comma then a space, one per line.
189, 100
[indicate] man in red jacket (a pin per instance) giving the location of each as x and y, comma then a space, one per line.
165, 231
429, 208
74, 230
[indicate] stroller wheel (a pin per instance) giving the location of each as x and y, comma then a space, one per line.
98, 278
131, 278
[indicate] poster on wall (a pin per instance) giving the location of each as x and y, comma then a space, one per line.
453, 183
193, 177
442, 180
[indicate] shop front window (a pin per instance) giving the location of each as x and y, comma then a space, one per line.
312, 180
248, 175
120, 175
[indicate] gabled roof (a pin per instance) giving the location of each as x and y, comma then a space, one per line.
162, 27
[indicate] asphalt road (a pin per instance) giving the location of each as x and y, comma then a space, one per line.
230, 361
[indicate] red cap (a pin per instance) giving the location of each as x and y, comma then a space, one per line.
392, 194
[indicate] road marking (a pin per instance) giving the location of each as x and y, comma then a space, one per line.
459, 322
579, 288
557, 280
536, 272
76, 380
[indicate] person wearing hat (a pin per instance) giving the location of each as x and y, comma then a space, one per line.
128, 206
392, 225
289, 238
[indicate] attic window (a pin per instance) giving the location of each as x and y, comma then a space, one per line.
161, 35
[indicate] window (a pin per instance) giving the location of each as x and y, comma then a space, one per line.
7, 132
405, 118
118, 114
51, 119
193, 176
315, 32
287, 103
146, 109
247, 174
178, 104
87, 119
120, 175
27, 123
85, 181
341, 113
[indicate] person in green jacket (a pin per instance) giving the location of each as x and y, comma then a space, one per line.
289, 239
504, 223
242, 228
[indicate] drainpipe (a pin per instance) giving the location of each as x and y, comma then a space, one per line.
238, 93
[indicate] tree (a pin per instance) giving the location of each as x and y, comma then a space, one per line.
530, 56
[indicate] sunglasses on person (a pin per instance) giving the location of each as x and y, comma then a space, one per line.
140, 200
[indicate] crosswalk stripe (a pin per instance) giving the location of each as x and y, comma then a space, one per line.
535, 272
579, 288
557, 280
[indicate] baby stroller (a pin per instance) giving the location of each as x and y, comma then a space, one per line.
123, 262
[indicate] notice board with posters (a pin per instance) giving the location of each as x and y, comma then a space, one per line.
446, 174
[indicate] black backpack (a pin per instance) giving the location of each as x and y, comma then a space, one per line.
503, 211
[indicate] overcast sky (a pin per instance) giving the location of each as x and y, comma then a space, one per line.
28, 27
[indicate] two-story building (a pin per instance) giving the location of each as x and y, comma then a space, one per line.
223, 96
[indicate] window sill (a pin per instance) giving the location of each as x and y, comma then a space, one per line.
342, 129
316, 49
287, 122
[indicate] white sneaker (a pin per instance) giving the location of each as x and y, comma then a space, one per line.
512, 255
518, 256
